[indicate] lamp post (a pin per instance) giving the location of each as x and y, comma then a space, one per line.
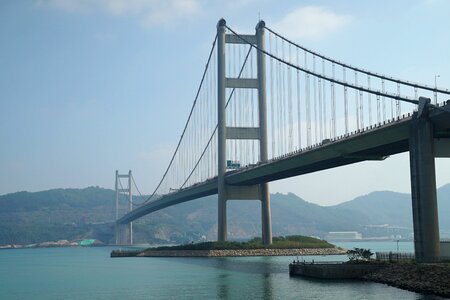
435, 86
397, 249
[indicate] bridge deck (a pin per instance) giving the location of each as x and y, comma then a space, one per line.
374, 143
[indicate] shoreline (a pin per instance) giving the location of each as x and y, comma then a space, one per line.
56, 244
428, 279
229, 253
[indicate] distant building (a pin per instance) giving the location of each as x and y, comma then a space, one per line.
343, 236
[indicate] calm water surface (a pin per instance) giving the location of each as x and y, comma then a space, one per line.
89, 273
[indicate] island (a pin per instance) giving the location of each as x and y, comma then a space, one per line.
281, 246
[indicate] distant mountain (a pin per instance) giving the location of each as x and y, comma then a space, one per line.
382, 208
396, 208
89, 213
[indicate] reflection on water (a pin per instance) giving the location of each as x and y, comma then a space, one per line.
223, 286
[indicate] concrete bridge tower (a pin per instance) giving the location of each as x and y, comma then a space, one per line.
124, 232
247, 192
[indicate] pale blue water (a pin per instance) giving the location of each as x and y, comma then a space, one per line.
379, 246
89, 273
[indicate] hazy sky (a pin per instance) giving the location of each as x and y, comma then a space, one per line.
91, 86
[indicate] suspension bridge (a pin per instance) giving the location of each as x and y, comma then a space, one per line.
268, 108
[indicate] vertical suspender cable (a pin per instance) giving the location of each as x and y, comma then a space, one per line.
325, 122
299, 119
316, 129
383, 100
378, 110
345, 100
278, 101
247, 113
252, 108
290, 102
315, 101
361, 108
272, 112
369, 95
236, 100
399, 111
333, 102
308, 108
319, 89
283, 101
356, 101
392, 108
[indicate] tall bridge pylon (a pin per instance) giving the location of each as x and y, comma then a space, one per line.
225, 132
124, 232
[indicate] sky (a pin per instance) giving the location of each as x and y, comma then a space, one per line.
88, 87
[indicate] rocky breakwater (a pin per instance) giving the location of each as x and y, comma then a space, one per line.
421, 278
241, 252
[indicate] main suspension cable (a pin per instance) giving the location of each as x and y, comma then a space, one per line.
333, 80
187, 122
374, 74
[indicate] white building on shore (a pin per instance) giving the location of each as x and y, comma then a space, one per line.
343, 236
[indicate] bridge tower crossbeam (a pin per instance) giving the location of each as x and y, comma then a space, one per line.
247, 192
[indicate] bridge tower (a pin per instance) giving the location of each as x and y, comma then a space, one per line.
248, 192
124, 232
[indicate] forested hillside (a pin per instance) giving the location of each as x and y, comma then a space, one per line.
89, 213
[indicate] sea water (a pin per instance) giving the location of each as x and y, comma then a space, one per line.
89, 273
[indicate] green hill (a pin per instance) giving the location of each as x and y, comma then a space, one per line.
90, 212
56, 214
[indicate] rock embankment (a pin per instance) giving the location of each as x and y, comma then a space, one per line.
421, 278
247, 252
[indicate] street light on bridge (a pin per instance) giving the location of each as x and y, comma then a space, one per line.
435, 86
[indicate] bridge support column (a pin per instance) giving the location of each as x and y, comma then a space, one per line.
124, 232
266, 214
262, 105
221, 133
423, 186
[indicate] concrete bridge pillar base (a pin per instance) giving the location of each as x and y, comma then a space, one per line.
266, 215
423, 190
123, 234
222, 220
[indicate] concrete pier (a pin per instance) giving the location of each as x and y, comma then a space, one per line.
221, 133
423, 186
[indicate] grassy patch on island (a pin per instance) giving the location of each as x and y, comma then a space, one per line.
281, 242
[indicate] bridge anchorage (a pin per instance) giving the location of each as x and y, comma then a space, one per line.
268, 109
